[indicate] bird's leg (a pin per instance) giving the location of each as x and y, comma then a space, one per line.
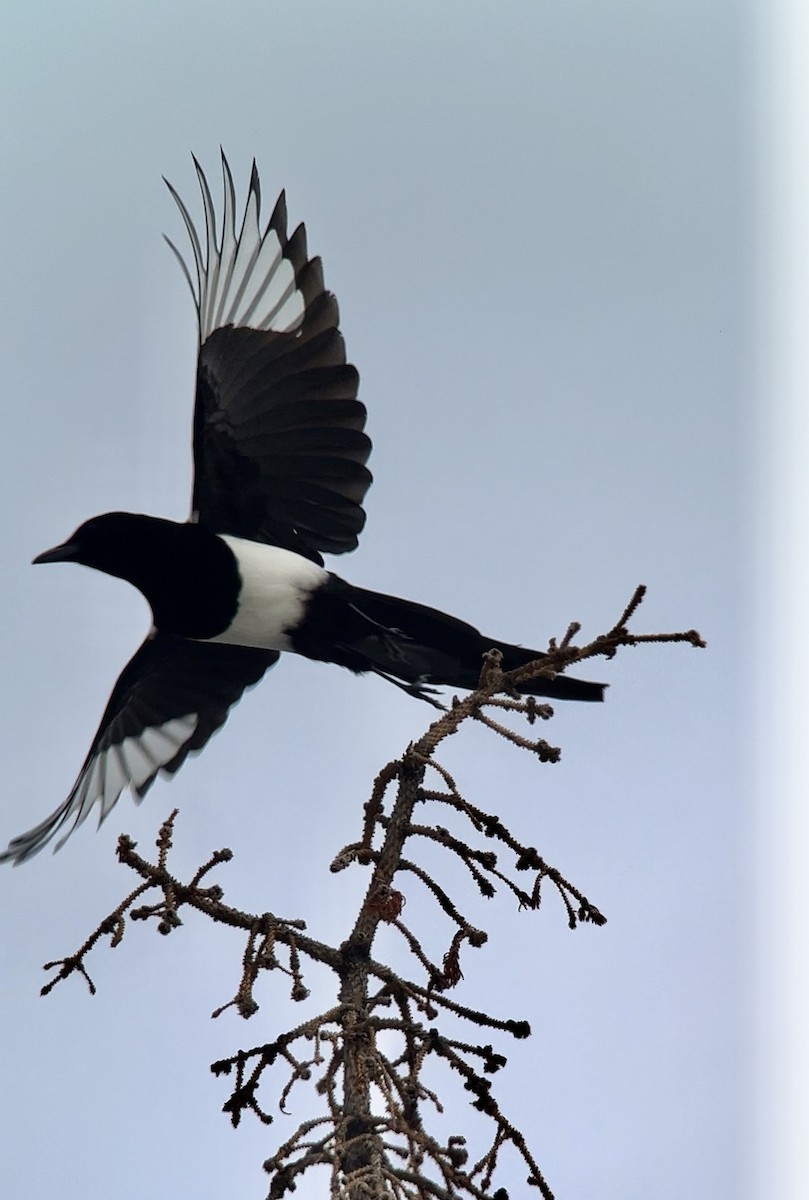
417, 688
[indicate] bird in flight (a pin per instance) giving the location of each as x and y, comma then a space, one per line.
280, 477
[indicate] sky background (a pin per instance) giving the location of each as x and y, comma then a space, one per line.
537, 218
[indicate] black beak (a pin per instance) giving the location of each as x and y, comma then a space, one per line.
67, 552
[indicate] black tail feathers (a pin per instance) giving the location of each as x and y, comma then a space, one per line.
416, 645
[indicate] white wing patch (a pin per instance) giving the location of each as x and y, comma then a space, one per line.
242, 279
130, 763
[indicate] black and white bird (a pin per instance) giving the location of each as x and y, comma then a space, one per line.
280, 476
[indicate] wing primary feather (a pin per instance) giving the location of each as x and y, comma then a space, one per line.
228, 244
248, 245
256, 262
264, 277
185, 270
255, 184
244, 274
246, 278
197, 252
209, 291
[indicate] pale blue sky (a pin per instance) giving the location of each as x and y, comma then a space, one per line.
537, 220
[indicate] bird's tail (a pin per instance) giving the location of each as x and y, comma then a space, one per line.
415, 645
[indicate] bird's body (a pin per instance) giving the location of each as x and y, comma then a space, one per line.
275, 589
280, 477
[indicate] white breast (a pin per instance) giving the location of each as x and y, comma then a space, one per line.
276, 584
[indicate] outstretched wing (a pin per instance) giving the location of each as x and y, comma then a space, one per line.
279, 441
168, 701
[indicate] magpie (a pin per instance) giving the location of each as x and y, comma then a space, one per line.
280, 476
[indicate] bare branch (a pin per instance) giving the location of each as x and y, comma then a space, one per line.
365, 1058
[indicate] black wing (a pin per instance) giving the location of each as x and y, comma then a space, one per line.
279, 441
168, 701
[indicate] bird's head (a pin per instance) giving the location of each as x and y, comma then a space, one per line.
128, 545
183, 570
